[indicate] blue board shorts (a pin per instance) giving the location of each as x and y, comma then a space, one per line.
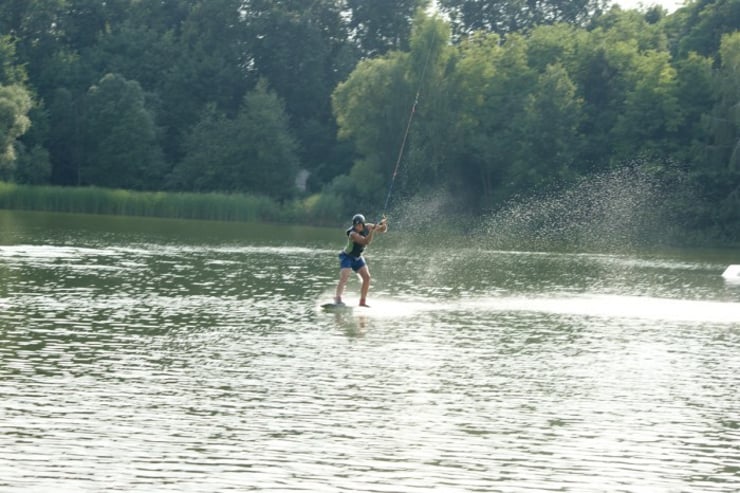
349, 262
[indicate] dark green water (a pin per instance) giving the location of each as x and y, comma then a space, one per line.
155, 355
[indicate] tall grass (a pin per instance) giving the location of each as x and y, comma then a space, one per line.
93, 200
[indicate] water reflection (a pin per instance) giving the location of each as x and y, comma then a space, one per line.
352, 325
161, 364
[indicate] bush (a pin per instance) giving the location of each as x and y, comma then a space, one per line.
95, 200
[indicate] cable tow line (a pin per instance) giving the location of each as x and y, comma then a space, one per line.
406, 134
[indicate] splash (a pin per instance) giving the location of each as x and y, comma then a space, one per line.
614, 307
623, 209
421, 213
382, 307
584, 305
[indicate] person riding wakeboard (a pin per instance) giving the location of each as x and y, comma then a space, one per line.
359, 236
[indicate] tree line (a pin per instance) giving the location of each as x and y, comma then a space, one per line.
249, 96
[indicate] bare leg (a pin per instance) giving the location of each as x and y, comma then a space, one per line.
365, 275
343, 276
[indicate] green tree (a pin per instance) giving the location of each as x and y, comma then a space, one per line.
508, 16
15, 104
37, 28
83, 22
304, 51
34, 166
65, 141
725, 122
563, 44
251, 152
383, 25
209, 63
137, 52
651, 114
371, 108
629, 26
702, 24
495, 137
433, 135
21, 160
716, 171
613, 60
729, 133
695, 91
551, 131
119, 136
10, 71
200, 168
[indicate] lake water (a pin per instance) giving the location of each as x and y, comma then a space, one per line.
172, 356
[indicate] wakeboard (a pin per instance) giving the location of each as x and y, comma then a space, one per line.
334, 307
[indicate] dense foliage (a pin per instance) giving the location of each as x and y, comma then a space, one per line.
249, 96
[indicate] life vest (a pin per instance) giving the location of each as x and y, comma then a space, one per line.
355, 249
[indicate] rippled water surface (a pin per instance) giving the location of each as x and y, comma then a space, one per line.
148, 355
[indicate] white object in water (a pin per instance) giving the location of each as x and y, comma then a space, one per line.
732, 273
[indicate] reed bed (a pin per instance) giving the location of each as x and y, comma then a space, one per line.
94, 200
